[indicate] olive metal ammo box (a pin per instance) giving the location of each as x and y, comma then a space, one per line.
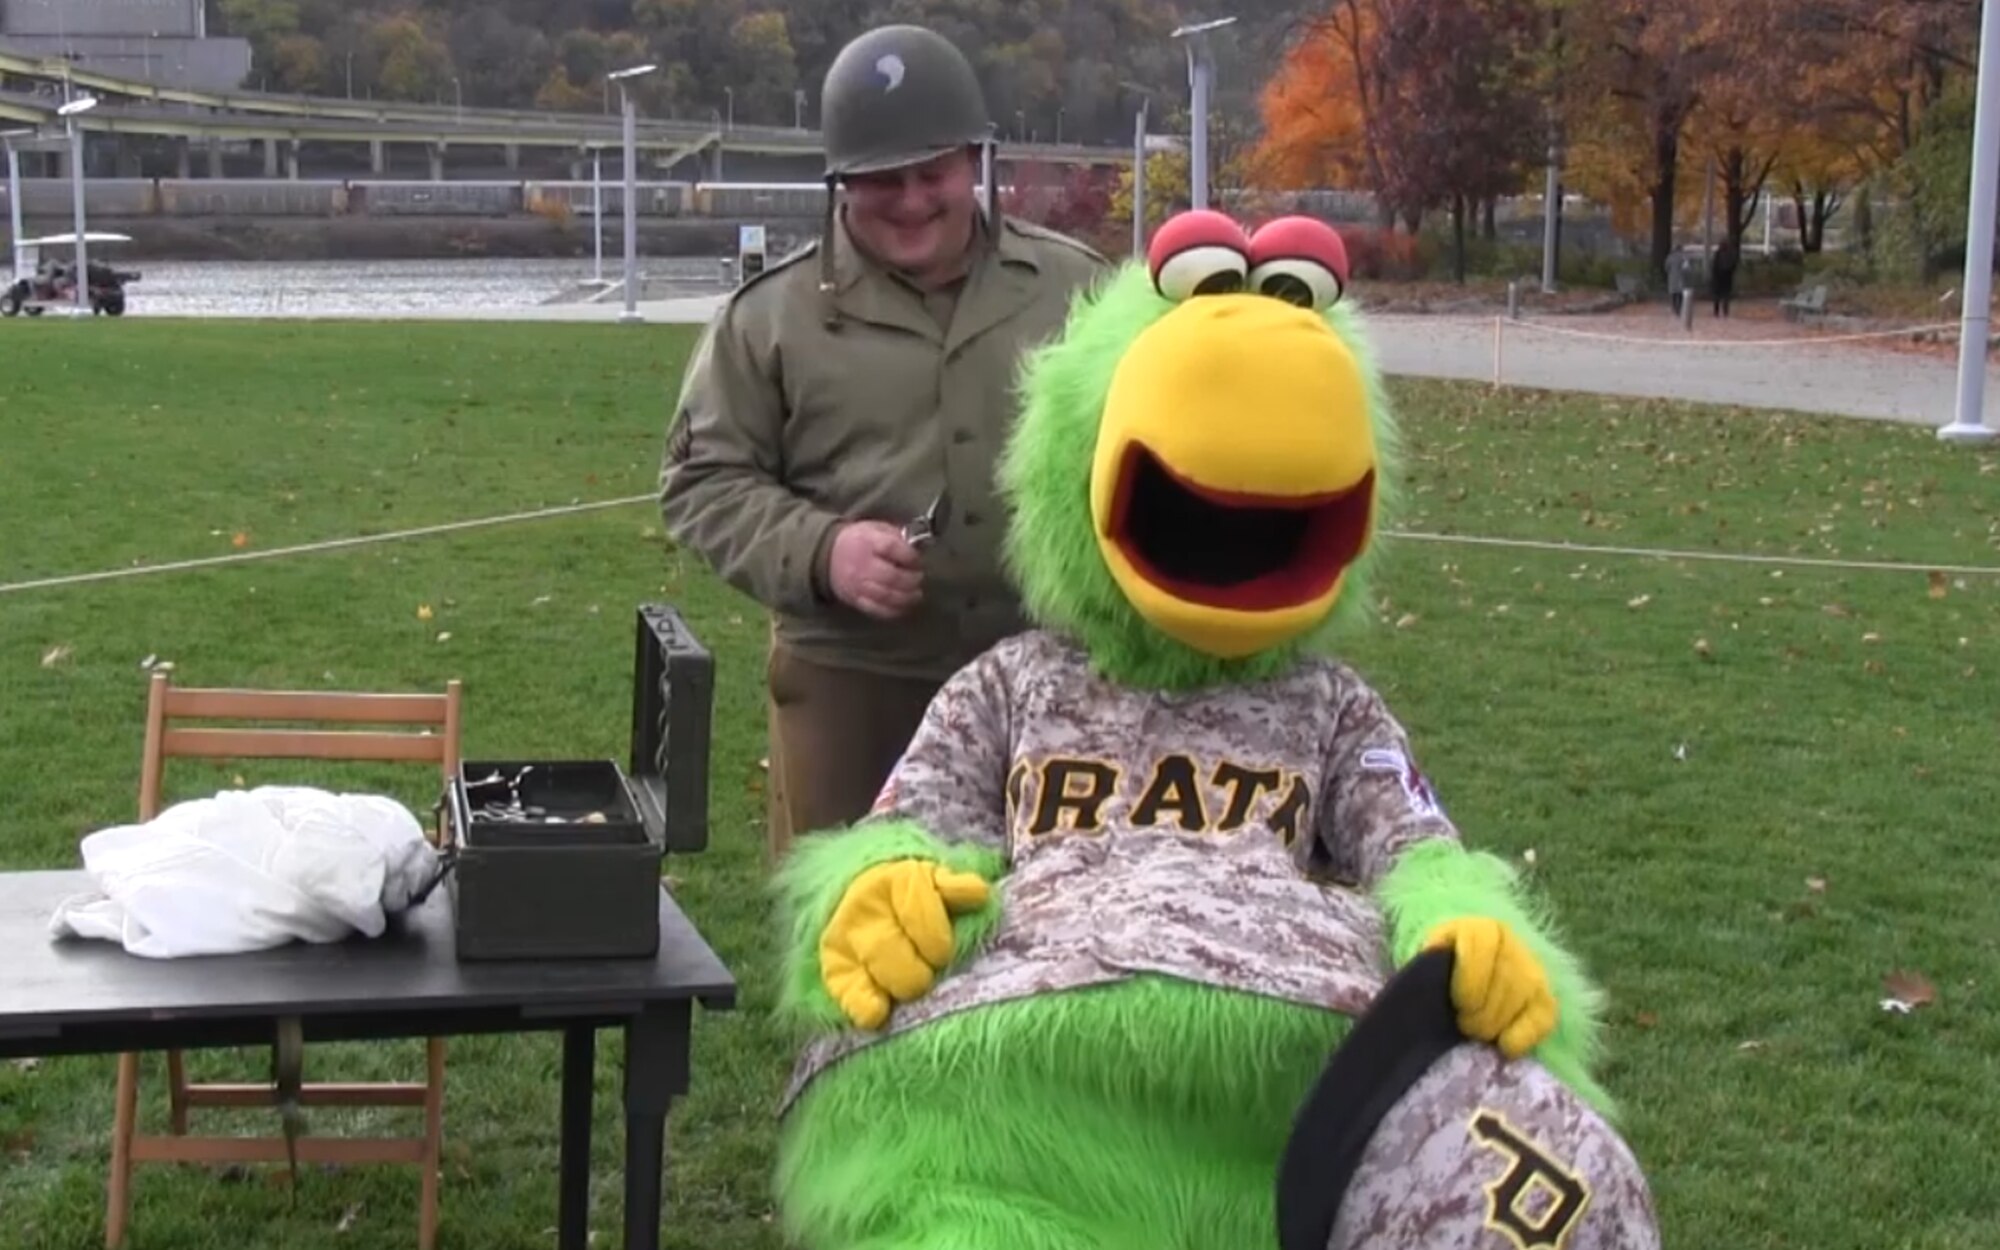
562, 858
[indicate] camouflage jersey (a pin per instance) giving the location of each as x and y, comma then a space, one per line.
1224, 836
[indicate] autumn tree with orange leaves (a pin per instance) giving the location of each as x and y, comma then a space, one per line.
1320, 107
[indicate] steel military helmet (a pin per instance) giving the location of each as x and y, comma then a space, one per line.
895, 96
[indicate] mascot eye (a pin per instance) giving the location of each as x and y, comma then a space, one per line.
1200, 252
1300, 260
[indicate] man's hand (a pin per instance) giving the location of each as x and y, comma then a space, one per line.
1498, 986
891, 935
873, 570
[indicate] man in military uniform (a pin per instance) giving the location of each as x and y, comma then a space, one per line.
859, 386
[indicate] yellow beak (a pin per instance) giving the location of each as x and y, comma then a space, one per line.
1234, 477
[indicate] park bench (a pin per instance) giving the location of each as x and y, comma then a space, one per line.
1810, 302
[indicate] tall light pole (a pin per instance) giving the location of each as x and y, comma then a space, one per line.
1139, 180
631, 313
1145, 95
14, 194
597, 210
1201, 69
69, 113
1969, 424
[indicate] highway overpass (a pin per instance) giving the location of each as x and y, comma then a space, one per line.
292, 134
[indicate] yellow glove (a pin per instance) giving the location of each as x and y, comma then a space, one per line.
1497, 984
891, 935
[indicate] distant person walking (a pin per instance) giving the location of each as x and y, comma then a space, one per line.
1676, 267
1722, 277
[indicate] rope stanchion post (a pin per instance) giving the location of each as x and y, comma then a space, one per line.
1497, 324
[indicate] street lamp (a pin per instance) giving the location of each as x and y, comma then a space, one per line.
1201, 68
1145, 95
69, 113
14, 193
631, 313
1968, 423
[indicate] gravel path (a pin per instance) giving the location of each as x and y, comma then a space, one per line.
1886, 379
1755, 360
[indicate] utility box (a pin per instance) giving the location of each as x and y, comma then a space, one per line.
561, 858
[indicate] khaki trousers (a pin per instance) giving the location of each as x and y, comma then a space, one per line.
836, 734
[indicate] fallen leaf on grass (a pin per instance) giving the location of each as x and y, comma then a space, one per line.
1646, 1020
1702, 649
1752, 1044
1907, 991
424, 612
1938, 584
55, 655
26, 1065
1639, 602
347, 1218
240, 539
1835, 609
1406, 620
1816, 885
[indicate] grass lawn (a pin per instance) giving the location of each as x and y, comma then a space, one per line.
1752, 792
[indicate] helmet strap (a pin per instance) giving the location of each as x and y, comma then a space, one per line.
989, 155
829, 313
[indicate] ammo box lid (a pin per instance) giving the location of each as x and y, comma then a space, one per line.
673, 694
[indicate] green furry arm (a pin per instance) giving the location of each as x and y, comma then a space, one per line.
816, 873
1439, 880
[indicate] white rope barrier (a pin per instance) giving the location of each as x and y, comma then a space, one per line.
1520, 544
1815, 340
331, 544
1718, 557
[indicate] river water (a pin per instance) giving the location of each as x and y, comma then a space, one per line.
362, 288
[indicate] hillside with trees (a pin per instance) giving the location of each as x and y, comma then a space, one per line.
1856, 114
1072, 70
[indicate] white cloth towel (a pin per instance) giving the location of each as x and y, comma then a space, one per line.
248, 870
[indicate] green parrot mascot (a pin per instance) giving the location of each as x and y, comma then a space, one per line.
1145, 865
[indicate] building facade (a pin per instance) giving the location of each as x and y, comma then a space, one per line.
165, 42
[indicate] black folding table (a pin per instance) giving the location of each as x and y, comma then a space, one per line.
74, 997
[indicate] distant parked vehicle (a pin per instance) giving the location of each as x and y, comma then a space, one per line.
53, 282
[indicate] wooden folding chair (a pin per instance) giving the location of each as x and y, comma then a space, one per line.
167, 704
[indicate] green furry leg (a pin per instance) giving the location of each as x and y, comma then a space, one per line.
1131, 1117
